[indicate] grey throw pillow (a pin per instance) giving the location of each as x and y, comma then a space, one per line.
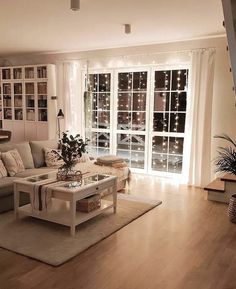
23, 149
37, 148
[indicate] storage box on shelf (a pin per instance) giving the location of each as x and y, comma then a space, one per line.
89, 204
25, 102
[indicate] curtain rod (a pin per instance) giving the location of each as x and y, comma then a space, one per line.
138, 54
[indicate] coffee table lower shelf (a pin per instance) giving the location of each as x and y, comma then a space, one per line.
60, 212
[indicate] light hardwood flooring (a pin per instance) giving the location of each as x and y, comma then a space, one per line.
186, 243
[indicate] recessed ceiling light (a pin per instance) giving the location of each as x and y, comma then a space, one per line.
75, 5
127, 28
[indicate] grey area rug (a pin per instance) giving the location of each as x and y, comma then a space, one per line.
51, 243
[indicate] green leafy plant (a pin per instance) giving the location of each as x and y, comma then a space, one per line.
72, 148
226, 160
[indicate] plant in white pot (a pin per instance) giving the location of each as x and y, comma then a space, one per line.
226, 162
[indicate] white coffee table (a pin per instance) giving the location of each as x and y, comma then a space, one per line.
64, 197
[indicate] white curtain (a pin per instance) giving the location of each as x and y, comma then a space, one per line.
197, 164
69, 96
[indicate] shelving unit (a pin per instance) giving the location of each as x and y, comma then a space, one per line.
25, 102
1, 114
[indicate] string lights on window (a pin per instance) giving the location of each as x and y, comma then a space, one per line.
131, 114
170, 86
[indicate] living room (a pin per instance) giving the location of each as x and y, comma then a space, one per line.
150, 85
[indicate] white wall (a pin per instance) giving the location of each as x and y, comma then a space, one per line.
224, 112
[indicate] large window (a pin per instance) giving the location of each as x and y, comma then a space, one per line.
169, 114
131, 117
142, 118
100, 85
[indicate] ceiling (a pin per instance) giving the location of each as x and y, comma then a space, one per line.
33, 26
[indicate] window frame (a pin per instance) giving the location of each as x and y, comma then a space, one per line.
148, 133
100, 130
185, 66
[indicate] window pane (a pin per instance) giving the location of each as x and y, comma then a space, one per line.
159, 144
175, 164
159, 162
176, 145
104, 82
125, 82
132, 148
138, 121
162, 80
139, 101
137, 142
160, 122
137, 160
179, 79
99, 144
104, 101
124, 154
161, 101
140, 81
124, 101
103, 152
177, 122
124, 120
93, 82
103, 140
178, 101
103, 119
123, 141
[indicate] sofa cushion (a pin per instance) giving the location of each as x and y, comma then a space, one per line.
6, 186
13, 162
37, 148
34, 172
24, 151
3, 171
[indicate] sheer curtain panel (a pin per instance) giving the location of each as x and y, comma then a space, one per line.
197, 165
69, 95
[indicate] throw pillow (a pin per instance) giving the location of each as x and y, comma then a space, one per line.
13, 162
51, 158
3, 171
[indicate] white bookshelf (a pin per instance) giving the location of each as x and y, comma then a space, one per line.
26, 105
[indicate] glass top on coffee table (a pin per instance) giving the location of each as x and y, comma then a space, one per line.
86, 180
43, 177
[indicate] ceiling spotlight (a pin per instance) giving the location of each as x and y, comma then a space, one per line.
75, 5
127, 28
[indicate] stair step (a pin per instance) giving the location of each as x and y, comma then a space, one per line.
229, 178
218, 185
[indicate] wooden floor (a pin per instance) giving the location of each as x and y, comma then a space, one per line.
186, 243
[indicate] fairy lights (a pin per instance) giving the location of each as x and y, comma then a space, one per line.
131, 115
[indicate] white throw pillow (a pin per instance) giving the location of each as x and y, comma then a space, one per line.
51, 158
13, 162
3, 171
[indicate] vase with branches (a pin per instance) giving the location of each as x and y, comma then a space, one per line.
71, 149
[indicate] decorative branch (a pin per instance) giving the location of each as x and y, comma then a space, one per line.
72, 148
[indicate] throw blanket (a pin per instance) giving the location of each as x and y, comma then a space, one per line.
41, 197
116, 165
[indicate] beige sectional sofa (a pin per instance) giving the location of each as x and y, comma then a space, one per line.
32, 154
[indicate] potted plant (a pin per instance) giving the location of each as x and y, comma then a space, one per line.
71, 149
226, 162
